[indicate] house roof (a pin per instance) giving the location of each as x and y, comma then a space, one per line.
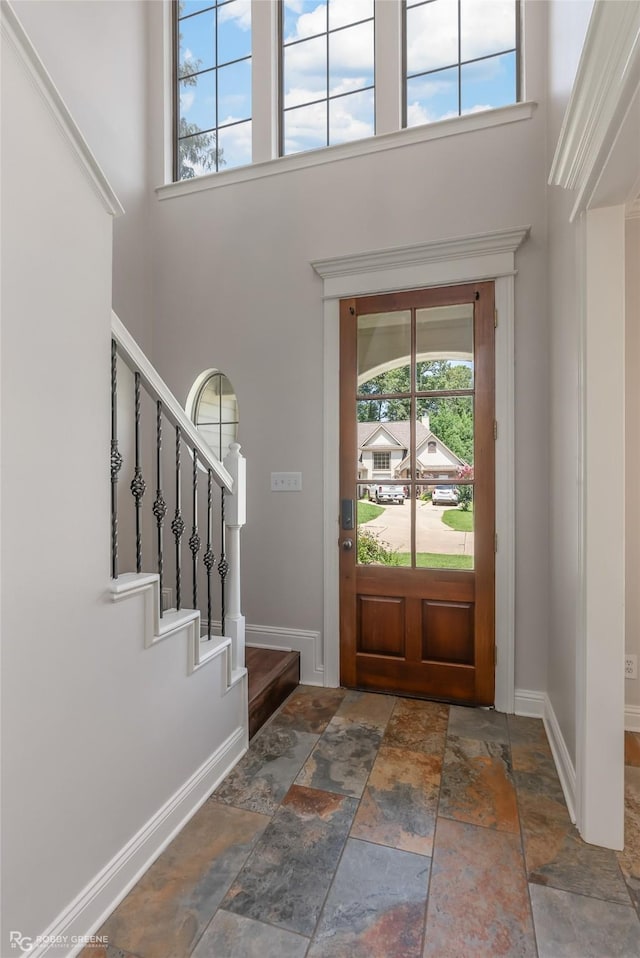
401, 433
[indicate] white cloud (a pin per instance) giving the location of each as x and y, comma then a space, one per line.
350, 58
240, 11
308, 24
487, 27
236, 145
186, 101
351, 118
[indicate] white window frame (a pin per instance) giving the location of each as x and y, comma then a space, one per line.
388, 106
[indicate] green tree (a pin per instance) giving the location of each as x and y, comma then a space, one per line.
450, 417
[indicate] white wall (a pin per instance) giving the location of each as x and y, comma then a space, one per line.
567, 27
97, 731
632, 465
234, 289
96, 53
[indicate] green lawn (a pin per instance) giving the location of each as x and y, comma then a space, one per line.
435, 560
367, 511
458, 520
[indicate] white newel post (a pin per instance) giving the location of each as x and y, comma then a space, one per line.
235, 518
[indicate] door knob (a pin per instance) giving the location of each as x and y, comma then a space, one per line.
347, 545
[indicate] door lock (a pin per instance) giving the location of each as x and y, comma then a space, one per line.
347, 545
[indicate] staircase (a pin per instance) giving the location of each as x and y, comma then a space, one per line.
273, 675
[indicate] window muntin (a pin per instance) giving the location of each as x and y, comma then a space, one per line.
213, 407
461, 56
213, 103
382, 460
327, 80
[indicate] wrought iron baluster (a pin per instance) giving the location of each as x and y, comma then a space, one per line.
138, 485
194, 539
116, 460
223, 565
159, 505
177, 524
209, 557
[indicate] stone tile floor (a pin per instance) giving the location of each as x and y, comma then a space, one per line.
371, 826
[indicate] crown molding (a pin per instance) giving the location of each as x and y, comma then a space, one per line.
420, 254
606, 82
16, 35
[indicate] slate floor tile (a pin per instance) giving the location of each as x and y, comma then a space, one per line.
367, 708
629, 858
477, 785
376, 905
576, 926
530, 749
285, 881
420, 726
104, 951
263, 776
232, 936
167, 911
309, 709
343, 757
484, 724
632, 749
400, 801
555, 854
478, 901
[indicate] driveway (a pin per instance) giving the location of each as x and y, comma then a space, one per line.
432, 535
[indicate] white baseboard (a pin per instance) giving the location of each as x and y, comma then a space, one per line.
98, 899
564, 765
308, 644
632, 718
538, 705
529, 703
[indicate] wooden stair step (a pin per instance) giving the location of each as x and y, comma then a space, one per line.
273, 676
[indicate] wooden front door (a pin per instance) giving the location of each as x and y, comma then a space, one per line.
417, 480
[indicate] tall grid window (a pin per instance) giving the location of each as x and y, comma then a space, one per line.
327, 76
460, 56
213, 86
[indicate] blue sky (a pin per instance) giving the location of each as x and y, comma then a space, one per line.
487, 29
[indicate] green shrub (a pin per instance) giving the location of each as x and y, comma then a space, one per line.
373, 550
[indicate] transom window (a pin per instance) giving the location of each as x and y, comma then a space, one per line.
327, 73
461, 57
382, 460
213, 40
301, 75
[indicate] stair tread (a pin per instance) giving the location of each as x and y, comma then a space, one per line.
273, 676
264, 666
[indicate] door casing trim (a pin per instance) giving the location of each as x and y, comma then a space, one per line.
486, 256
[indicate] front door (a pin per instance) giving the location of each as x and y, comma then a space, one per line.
417, 480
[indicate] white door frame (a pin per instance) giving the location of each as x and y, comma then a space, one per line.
486, 256
596, 158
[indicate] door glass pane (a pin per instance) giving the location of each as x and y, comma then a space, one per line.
444, 347
384, 524
444, 436
384, 353
445, 526
384, 440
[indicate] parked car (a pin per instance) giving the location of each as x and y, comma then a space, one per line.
387, 494
445, 496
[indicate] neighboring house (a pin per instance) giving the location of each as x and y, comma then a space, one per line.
383, 453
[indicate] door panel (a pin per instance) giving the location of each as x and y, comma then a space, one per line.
417, 456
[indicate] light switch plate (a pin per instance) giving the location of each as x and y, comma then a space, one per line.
286, 481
